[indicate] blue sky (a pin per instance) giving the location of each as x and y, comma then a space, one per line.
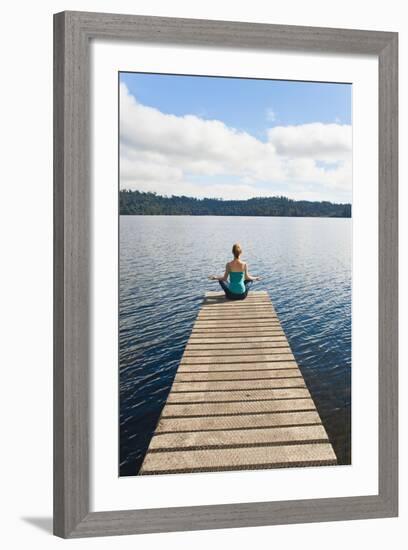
289, 137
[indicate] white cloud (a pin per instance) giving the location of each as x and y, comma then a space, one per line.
189, 155
330, 142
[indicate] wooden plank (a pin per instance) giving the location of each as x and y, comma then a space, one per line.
212, 343
232, 342
236, 375
237, 324
239, 438
239, 304
243, 384
254, 348
237, 311
249, 306
258, 358
235, 320
224, 367
245, 407
239, 395
219, 334
241, 308
218, 350
243, 335
274, 456
238, 422
232, 316
238, 399
245, 318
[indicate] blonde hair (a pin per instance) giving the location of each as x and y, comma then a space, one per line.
236, 250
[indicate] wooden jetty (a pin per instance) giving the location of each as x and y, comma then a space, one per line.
238, 400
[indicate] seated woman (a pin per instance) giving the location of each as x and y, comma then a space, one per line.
239, 279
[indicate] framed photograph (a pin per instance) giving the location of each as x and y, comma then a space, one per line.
225, 288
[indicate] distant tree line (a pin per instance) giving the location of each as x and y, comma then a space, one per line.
141, 203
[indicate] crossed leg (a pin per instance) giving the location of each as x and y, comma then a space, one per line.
232, 295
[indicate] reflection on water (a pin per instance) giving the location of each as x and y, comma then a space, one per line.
305, 265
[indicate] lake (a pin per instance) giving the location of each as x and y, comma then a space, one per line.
165, 261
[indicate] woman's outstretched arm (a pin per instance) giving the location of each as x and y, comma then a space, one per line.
249, 277
219, 277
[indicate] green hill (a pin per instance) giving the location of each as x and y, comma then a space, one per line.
140, 203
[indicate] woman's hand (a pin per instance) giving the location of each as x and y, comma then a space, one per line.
213, 278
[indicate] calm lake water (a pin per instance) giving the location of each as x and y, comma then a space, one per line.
305, 265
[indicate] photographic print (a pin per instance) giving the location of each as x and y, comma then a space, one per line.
235, 242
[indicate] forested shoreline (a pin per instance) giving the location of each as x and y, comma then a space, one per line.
142, 203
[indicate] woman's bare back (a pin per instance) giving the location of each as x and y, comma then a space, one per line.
236, 265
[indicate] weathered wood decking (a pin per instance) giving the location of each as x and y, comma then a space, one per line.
239, 400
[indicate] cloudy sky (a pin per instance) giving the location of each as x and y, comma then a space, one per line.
235, 138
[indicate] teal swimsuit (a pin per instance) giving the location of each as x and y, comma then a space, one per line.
237, 288
236, 282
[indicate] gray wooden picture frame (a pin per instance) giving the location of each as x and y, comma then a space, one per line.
72, 201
